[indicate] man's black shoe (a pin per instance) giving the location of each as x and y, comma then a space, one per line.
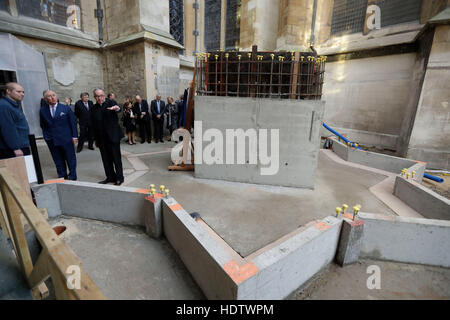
79, 150
105, 181
149, 142
143, 141
91, 148
118, 182
156, 141
161, 141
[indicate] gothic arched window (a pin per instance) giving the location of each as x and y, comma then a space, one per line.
176, 16
62, 12
233, 24
213, 13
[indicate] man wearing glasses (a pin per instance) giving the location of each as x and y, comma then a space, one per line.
107, 136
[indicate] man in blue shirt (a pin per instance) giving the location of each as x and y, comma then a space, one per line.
60, 133
14, 129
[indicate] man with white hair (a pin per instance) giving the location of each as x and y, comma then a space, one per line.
60, 133
107, 136
14, 129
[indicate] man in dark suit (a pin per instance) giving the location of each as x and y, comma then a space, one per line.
60, 133
107, 136
158, 108
83, 113
142, 111
112, 96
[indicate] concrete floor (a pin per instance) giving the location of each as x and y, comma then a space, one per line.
127, 264
247, 217
399, 281
12, 284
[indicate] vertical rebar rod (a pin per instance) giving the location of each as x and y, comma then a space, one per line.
239, 74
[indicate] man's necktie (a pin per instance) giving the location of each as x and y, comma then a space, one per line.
52, 111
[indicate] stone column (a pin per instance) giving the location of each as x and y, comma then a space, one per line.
430, 137
259, 24
294, 27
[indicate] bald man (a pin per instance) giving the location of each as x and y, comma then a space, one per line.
60, 133
142, 110
14, 129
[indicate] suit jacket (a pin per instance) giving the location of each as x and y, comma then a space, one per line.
144, 108
83, 114
154, 108
106, 123
62, 128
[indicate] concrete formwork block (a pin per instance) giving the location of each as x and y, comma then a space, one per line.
207, 261
287, 265
378, 160
153, 217
425, 201
409, 240
103, 202
350, 242
296, 138
340, 149
47, 196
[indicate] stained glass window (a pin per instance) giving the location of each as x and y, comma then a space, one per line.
62, 12
176, 16
213, 13
233, 24
3, 5
399, 11
348, 16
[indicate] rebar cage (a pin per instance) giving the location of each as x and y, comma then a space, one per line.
282, 75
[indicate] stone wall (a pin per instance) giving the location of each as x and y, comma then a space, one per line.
368, 96
163, 71
71, 70
121, 18
154, 13
124, 70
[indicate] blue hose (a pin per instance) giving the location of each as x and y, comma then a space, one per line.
425, 175
341, 136
429, 176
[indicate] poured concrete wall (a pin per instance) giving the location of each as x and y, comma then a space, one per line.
409, 240
297, 121
428, 203
366, 98
378, 160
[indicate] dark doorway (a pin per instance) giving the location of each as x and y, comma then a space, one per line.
5, 77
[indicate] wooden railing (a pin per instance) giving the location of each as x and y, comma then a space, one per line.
56, 260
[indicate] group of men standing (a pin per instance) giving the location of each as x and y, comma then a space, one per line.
98, 123
145, 115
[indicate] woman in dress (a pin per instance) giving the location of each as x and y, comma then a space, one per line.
172, 116
129, 122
